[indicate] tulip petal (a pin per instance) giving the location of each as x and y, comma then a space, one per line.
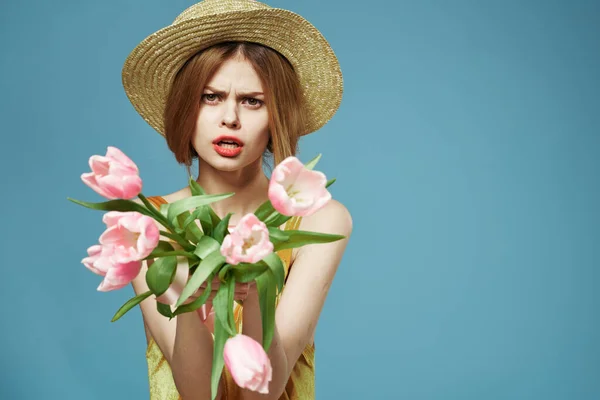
90, 180
117, 236
248, 241
248, 363
99, 165
123, 272
112, 184
117, 155
132, 186
112, 218
114, 175
294, 190
291, 167
106, 286
280, 199
94, 253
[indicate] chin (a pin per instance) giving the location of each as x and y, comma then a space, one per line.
224, 164
228, 166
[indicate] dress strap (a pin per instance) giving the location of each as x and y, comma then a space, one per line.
293, 223
157, 201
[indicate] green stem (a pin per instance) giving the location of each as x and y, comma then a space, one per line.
224, 271
161, 218
184, 243
274, 214
167, 224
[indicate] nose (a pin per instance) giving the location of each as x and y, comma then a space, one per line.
230, 117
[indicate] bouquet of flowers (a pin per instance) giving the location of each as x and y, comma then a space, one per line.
190, 229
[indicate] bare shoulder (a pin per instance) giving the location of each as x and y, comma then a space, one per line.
334, 217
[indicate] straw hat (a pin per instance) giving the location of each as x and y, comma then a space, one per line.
150, 68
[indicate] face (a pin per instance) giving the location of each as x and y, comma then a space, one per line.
232, 126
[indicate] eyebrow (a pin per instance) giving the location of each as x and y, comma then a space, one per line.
222, 92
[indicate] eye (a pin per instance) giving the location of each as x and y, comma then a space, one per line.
210, 97
255, 103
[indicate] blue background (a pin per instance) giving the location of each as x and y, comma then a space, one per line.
467, 148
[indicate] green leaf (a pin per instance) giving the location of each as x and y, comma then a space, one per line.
330, 182
206, 246
130, 304
160, 274
189, 228
276, 220
266, 292
276, 267
190, 217
176, 238
206, 267
302, 238
162, 247
205, 220
248, 272
196, 304
156, 213
221, 230
276, 235
223, 271
220, 337
312, 163
159, 254
189, 203
231, 282
264, 210
114, 205
164, 309
164, 211
221, 304
197, 190
213, 216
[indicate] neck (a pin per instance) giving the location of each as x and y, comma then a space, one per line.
249, 184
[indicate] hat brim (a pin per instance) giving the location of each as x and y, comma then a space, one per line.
150, 68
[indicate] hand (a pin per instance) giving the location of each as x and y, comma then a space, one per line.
206, 312
242, 290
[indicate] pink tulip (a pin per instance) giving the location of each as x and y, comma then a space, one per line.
248, 363
294, 190
96, 260
114, 175
133, 235
248, 241
129, 237
116, 275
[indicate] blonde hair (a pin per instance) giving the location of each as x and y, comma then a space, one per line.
283, 98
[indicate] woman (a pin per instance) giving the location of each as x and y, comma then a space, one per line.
229, 83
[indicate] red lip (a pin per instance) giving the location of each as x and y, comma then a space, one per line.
228, 138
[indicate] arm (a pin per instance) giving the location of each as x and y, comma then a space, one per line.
185, 342
303, 298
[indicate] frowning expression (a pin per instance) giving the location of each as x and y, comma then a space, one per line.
232, 126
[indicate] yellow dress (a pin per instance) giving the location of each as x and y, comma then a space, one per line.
300, 386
